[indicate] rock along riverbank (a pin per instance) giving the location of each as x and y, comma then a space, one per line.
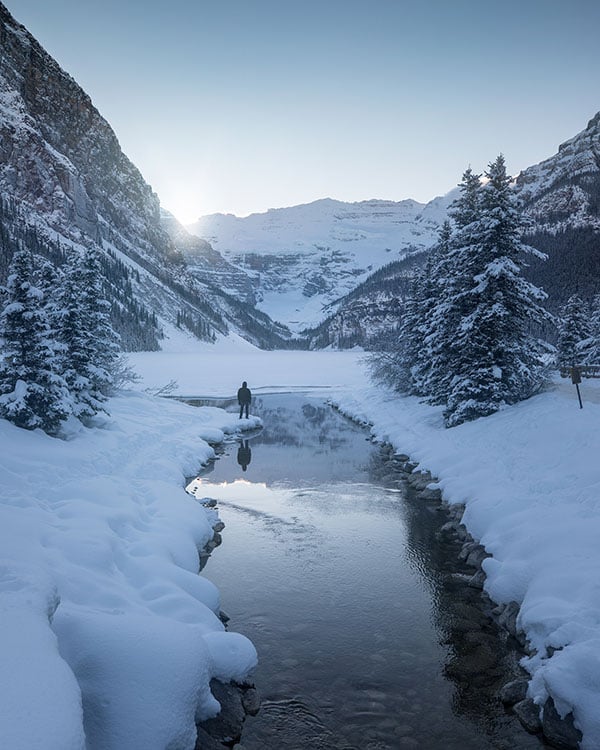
486, 624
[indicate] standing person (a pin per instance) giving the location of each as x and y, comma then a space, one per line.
244, 398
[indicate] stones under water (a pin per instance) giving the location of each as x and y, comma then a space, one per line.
370, 631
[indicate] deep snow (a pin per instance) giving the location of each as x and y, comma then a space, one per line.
106, 628
99, 532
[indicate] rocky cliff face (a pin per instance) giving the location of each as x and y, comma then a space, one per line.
563, 192
561, 197
371, 313
62, 172
60, 158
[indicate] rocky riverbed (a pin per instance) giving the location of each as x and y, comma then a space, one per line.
324, 570
479, 624
238, 699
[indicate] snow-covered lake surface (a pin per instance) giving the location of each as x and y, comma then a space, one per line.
328, 569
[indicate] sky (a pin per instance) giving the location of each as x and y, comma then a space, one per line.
238, 106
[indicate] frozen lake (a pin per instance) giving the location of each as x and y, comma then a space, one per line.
336, 576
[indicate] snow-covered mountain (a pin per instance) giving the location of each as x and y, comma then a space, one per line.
64, 182
303, 258
310, 265
562, 200
563, 192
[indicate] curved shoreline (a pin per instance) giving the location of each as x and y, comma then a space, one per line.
237, 699
544, 720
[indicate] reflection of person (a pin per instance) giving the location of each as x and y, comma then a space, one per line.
244, 455
244, 398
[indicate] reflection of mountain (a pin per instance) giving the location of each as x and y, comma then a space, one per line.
313, 425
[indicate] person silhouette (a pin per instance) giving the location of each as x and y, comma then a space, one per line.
244, 454
244, 398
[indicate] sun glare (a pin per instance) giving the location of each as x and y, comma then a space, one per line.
184, 214
186, 206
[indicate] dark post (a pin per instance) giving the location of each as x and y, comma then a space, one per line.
576, 379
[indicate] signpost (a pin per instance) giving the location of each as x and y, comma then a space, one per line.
576, 379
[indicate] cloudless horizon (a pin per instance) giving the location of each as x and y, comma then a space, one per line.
238, 107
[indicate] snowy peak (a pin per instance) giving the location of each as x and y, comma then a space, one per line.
562, 191
283, 230
302, 258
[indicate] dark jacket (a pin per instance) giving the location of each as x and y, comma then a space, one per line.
244, 395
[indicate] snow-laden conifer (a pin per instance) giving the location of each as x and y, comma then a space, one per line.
400, 361
440, 319
90, 342
575, 336
593, 353
48, 278
33, 393
494, 359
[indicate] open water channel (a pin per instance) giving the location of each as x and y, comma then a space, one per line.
335, 573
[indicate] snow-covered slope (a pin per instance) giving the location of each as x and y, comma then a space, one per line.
562, 199
108, 635
304, 257
562, 192
65, 182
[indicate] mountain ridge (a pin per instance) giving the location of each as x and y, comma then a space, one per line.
65, 182
303, 258
62, 165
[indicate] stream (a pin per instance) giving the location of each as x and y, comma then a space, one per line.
328, 565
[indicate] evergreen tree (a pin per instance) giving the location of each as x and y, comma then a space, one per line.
593, 353
404, 359
575, 340
49, 280
106, 340
90, 342
466, 208
32, 392
442, 313
494, 359
451, 281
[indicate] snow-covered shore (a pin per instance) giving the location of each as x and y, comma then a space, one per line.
530, 480
106, 628
102, 521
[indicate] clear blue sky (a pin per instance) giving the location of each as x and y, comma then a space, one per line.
243, 105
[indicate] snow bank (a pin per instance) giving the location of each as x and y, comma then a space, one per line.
530, 481
106, 628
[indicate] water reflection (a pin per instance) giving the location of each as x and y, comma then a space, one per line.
481, 657
343, 587
244, 455
303, 443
